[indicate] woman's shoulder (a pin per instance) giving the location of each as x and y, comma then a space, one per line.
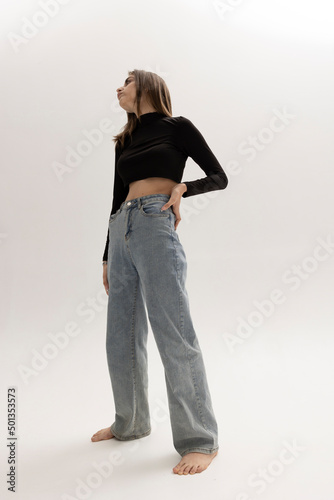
180, 121
176, 118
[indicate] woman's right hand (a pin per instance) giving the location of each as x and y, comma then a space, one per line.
105, 278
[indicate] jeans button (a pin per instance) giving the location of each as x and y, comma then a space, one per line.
129, 203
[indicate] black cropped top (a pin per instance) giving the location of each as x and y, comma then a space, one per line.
159, 147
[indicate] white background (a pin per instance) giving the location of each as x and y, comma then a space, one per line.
231, 67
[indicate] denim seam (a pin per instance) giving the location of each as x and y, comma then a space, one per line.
133, 356
181, 324
198, 402
141, 205
128, 249
153, 216
132, 341
134, 436
206, 451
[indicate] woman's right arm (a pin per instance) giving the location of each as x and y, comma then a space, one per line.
119, 194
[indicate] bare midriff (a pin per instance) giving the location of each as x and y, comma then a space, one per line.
151, 185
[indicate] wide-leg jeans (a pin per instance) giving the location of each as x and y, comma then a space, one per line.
147, 266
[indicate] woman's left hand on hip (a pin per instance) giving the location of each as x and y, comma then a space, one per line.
175, 200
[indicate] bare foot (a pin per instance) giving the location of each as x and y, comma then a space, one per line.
193, 462
102, 434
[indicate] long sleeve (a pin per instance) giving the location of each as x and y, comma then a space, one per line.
193, 144
119, 194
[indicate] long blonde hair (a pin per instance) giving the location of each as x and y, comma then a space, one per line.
157, 95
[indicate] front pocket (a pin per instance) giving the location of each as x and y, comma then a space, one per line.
153, 209
113, 216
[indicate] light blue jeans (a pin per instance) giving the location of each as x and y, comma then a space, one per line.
147, 265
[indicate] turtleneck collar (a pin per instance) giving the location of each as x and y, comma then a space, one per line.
147, 118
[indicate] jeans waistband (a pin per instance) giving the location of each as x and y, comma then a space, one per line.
138, 201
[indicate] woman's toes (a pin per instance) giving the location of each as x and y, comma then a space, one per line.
194, 469
187, 469
181, 469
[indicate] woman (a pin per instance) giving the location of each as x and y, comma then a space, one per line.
144, 263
